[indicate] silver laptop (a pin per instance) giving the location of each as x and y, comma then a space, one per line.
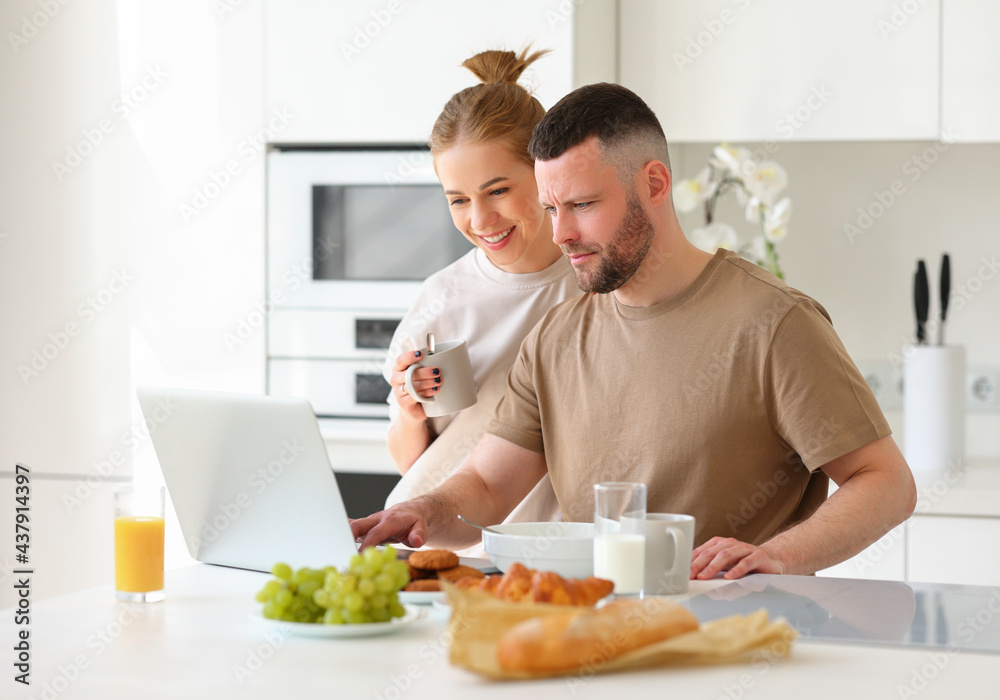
249, 477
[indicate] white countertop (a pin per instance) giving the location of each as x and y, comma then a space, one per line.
201, 642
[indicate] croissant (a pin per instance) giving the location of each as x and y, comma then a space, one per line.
521, 584
550, 587
515, 584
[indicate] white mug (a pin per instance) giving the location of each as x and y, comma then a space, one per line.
458, 384
669, 540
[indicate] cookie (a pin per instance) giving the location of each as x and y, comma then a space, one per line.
456, 572
423, 585
435, 559
417, 574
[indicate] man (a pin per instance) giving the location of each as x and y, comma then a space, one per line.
725, 391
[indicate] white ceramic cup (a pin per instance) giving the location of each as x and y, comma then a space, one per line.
458, 384
669, 540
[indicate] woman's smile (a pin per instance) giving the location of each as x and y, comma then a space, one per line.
495, 241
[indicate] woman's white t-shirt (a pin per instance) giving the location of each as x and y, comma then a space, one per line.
492, 310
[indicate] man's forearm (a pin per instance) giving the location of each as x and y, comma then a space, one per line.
857, 514
463, 494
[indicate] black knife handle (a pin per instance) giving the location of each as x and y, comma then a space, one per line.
921, 300
945, 285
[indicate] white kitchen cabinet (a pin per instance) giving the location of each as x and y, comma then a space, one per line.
380, 72
785, 70
970, 87
884, 560
953, 550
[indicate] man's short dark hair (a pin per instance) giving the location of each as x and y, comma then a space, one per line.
628, 131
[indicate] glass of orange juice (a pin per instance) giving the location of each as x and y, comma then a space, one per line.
139, 543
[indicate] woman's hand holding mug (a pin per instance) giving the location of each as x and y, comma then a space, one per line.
426, 380
423, 388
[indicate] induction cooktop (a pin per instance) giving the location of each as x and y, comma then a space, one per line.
931, 615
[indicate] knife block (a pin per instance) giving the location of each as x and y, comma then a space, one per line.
934, 407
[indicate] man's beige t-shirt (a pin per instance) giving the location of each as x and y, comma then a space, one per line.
715, 399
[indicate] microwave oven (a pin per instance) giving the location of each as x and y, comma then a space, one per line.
351, 234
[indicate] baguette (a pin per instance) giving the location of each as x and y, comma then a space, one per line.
568, 641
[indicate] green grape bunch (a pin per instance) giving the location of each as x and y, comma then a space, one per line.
367, 591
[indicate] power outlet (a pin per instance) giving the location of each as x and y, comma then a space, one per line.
886, 382
982, 384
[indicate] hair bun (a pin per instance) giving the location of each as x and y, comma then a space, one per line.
501, 66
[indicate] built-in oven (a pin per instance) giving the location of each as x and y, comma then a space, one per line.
351, 234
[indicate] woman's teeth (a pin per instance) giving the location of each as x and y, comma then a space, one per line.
499, 237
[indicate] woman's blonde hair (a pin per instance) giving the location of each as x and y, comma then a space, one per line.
496, 109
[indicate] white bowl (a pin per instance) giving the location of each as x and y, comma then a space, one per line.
566, 548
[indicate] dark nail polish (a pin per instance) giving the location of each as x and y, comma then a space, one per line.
418, 353
437, 380
436, 372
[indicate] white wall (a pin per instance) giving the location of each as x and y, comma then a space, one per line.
948, 204
170, 93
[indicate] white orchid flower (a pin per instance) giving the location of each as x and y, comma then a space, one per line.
757, 186
738, 161
714, 236
776, 220
688, 194
766, 181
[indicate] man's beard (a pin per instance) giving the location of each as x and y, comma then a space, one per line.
621, 258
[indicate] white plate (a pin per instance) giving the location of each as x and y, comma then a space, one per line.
420, 597
368, 629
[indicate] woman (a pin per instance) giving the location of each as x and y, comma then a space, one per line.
492, 296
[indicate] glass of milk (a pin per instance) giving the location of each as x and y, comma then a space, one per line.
619, 541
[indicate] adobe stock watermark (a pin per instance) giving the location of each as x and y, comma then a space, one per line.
224, 7
913, 169
219, 180
562, 12
429, 654
898, 17
423, 316
794, 120
245, 326
927, 497
408, 166
367, 32
718, 371
99, 642
751, 504
922, 675
257, 483
103, 469
762, 661
696, 44
33, 24
121, 108
6, 570
261, 653
87, 312
961, 294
